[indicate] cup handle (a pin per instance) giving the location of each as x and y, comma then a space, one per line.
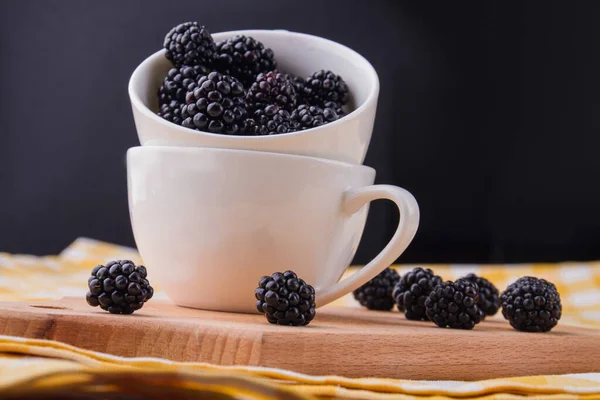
354, 199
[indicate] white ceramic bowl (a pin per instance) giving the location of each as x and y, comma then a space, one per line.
346, 139
210, 222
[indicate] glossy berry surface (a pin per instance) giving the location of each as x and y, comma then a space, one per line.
489, 297
270, 120
272, 88
215, 103
454, 305
412, 290
325, 86
531, 305
119, 287
190, 44
376, 294
285, 299
309, 117
172, 91
244, 58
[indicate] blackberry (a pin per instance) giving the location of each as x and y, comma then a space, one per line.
377, 293
326, 86
489, 299
303, 92
285, 299
455, 304
244, 58
531, 305
309, 117
119, 287
189, 43
412, 290
171, 94
171, 112
270, 120
215, 103
272, 87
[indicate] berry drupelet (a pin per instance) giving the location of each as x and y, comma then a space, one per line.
454, 304
377, 293
119, 287
272, 87
326, 86
285, 299
531, 305
244, 58
270, 120
489, 298
412, 290
215, 103
309, 117
191, 44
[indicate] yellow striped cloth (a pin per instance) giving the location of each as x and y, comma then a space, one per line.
48, 369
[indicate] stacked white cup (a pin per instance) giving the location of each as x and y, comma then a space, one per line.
212, 213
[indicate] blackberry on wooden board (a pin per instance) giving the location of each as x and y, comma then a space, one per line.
454, 305
376, 294
119, 287
285, 299
412, 290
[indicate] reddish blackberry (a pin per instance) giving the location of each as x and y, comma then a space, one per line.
489, 299
312, 116
412, 290
215, 103
270, 120
454, 304
531, 305
189, 43
285, 299
244, 58
119, 287
377, 293
272, 87
326, 86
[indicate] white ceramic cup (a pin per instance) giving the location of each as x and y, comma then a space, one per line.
346, 139
209, 223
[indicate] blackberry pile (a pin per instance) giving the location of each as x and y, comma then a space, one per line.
377, 293
119, 287
531, 305
412, 290
268, 102
285, 299
454, 304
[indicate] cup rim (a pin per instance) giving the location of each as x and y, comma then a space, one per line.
153, 58
254, 153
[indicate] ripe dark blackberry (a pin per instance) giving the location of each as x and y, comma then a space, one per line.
272, 87
326, 86
189, 43
489, 298
119, 287
270, 120
215, 103
312, 116
454, 304
244, 58
531, 305
302, 89
285, 299
171, 94
377, 293
412, 290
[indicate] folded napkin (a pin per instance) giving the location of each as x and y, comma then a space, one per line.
49, 369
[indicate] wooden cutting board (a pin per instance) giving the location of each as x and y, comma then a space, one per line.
346, 341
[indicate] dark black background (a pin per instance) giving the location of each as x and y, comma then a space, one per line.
489, 114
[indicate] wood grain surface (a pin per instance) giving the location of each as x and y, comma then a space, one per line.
344, 341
